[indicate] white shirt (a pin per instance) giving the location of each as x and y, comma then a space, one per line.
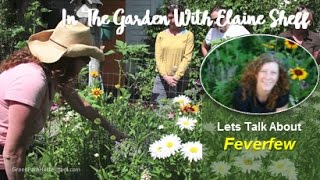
232, 31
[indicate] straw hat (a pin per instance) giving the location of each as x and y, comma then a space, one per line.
65, 40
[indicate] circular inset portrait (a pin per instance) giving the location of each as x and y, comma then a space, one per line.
259, 74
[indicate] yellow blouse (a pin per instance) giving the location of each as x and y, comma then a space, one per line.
173, 53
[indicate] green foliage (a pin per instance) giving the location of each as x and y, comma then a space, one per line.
228, 61
66, 148
13, 33
70, 142
140, 68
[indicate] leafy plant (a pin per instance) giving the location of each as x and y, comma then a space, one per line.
13, 33
140, 68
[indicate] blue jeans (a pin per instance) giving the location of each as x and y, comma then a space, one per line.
162, 90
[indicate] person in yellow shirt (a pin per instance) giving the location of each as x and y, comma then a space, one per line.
173, 53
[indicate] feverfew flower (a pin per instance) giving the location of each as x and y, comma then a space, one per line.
96, 155
156, 150
210, 127
186, 123
291, 174
255, 154
146, 175
247, 164
283, 167
192, 151
221, 168
182, 100
170, 144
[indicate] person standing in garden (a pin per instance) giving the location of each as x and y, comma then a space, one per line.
29, 79
264, 86
304, 37
173, 53
217, 32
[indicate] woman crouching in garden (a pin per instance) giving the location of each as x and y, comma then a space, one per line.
264, 87
29, 79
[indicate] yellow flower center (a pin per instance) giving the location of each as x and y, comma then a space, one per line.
194, 150
94, 74
186, 123
248, 161
96, 92
220, 168
170, 144
280, 166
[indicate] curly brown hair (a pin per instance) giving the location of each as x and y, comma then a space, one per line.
19, 57
62, 70
249, 81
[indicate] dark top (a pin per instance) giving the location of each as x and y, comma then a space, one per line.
248, 104
311, 41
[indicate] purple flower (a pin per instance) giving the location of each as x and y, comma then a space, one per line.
304, 85
54, 107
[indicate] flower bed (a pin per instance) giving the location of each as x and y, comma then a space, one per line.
163, 142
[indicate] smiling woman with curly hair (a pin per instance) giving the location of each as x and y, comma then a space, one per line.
264, 86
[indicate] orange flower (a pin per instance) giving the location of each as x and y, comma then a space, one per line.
290, 44
298, 73
94, 74
96, 92
190, 108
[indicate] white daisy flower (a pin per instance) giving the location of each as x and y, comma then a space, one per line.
221, 168
182, 100
170, 144
283, 167
255, 154
96, 155
160, 127
210, 127
146, 175
156, 150
186, 123
247, 164
291, 174
192, 151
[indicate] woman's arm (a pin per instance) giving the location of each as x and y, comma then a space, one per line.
159, 57
86, 110
204, 48
19, 129
183, 66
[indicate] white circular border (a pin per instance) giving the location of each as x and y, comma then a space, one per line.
248, 113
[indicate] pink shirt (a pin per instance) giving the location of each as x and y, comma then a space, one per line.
25, 83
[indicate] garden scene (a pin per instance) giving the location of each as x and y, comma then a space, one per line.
179, 139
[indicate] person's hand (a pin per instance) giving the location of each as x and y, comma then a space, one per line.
170, 80
119, 135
